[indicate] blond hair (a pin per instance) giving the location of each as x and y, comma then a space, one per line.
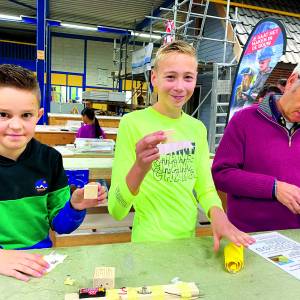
174, 47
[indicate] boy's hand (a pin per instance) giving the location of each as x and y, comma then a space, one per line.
79, 203
221, 227
146, 150
20, 264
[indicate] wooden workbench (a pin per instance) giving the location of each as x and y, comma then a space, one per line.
71, 152
62, 119
59, 135
153, 263
99, 168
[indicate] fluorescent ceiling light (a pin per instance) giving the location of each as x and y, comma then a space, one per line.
10, 18
75, 26
32, 20
145, 35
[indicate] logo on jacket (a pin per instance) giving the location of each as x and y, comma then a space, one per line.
41, 185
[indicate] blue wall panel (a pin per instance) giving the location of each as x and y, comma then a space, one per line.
29, 64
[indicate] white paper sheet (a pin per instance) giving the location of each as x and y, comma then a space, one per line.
173, 147
54, 259
279, 250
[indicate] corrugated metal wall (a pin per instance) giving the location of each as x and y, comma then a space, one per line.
17, 51
67, 55
121, 13
99, 63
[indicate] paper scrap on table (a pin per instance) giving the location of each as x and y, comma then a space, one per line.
234, 258
173, 147
53, 259
69, 281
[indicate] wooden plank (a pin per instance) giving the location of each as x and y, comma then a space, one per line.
92, 239
174, 291
103, 121
55, 138
52, 137
102, 221
108, 238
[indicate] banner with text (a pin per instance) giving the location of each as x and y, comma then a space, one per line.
264, 47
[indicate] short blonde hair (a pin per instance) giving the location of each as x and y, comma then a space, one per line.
174, 47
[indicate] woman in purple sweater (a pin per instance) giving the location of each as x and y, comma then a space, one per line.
91, 127
258, 162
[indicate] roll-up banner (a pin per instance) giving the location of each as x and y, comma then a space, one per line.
264, 47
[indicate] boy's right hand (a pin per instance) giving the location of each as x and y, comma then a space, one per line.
146, 150
20, 264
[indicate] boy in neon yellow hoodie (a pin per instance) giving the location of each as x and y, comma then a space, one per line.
160, 186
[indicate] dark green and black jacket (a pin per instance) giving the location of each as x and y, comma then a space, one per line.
34, 196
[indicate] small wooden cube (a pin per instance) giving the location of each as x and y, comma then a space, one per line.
90, 191
104, 277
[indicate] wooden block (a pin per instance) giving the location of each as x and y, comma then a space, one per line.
91, 191
170, 135
104, 277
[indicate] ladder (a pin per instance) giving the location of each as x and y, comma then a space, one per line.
120, 58
190, 18
220, 97
197, 17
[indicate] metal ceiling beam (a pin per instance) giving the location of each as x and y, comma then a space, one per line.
23, 4
91, 38
146, 22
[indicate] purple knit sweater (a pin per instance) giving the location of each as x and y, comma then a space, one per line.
254, 151
88, 131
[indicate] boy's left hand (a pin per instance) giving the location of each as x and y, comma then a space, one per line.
79, 203
222, 227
